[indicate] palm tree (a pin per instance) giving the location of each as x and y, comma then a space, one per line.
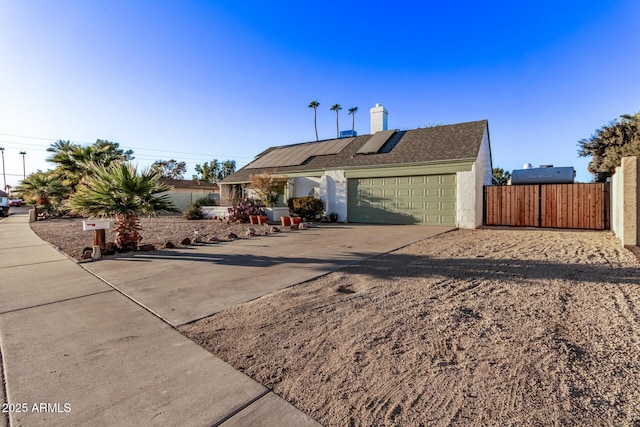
336, 108
118, 190
315, 104
24, 169
43, 189
73, 160
352, 113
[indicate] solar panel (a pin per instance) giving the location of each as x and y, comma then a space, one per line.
376, 142
298, 154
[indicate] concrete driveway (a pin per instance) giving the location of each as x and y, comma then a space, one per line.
183, 285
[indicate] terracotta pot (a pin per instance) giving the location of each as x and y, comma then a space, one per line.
253, 219
286, 221
262, 219
296, 220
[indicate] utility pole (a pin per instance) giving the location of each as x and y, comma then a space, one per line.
4, 176
24, 169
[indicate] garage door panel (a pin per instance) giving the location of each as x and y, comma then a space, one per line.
427, 199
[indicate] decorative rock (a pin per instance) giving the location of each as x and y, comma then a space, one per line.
186, 241
87, 253
251, 232
169, 245
214, 239
274, 229
302, 226
232, 236
147, 247
197, 240
295, 226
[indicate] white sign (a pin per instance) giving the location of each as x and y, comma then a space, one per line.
96, 224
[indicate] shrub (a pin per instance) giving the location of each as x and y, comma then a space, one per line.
205, 201
306, 207
241, 210
194, 211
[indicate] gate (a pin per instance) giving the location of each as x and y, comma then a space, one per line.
584, 206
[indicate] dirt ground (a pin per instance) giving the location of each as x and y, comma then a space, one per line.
469, 328
472, 327
66, 233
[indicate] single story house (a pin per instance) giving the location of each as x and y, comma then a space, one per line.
185, 191
432, 175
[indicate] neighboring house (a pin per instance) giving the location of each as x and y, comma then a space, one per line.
432, 175
185, 191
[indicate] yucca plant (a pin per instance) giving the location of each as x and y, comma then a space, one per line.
117, 190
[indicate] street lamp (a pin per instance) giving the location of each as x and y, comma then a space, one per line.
4, 176
24, 170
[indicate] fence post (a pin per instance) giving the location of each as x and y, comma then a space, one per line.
539, 205
484, 205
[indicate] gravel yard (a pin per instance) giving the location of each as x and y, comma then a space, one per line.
66, 233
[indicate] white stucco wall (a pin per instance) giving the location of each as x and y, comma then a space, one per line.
617, 198
625, 201
333, 192
331, 188
305, 186
469, 187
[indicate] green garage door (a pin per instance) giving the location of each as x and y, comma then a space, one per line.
429, 199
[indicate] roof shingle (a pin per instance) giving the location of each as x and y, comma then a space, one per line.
425, 145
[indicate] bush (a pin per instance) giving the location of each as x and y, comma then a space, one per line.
193, 212
241, 210
205, 201
306, 207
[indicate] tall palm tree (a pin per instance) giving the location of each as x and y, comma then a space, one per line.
336, 108
352, 113
118, 190
43, 189
315, 104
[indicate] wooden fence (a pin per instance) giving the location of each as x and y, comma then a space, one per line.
584, 206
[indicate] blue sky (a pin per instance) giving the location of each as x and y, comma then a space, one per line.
197, 80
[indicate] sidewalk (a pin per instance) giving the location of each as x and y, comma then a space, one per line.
76, 352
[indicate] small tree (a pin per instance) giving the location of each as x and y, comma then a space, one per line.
610, 143
170, 168
214, 171
268, 187
501, 176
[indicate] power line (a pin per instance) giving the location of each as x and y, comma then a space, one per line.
212, 156
25, 136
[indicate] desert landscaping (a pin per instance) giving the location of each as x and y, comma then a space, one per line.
67, 236
471, 327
